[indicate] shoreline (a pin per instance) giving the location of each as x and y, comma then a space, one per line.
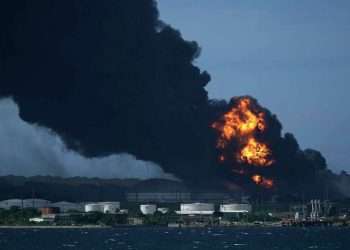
163, 226
56, 227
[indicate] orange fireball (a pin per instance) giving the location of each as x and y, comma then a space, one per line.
239, 121
255, 153
242, 125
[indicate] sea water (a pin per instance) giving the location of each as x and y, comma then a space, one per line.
175, 239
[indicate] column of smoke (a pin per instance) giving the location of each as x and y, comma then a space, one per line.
113, 77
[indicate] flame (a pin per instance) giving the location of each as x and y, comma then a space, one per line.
255, 153
261, 181
239, 121
241, 125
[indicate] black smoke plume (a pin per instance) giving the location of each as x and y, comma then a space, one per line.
110, 77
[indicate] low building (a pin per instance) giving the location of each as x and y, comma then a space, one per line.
36, 220
196, 209
235, 208
135, 221
123, 211
44, 218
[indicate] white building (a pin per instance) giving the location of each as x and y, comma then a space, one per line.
197, 209
148, 209
47, 218
36, 220
235, 208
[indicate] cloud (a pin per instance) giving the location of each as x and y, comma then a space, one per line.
29, 150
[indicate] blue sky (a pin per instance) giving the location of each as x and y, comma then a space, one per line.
294, 56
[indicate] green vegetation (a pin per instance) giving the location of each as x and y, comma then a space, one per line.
92, 219
20, 217
16, 216
158, 219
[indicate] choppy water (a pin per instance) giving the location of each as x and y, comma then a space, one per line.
176, 239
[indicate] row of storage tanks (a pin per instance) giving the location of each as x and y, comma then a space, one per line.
114, 207
198, 209
48, 207
103, 207
209, 208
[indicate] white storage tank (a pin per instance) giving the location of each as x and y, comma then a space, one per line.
94, 207
197, 209
148, 209
111, 208
235, 208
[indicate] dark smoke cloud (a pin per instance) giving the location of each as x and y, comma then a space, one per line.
30, 150
108, 76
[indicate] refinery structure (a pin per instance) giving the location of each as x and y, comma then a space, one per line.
195, 213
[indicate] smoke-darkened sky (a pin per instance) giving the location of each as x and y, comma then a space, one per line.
104, 88
293, 56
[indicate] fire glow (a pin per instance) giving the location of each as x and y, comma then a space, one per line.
255, 153
264, 182
241, 125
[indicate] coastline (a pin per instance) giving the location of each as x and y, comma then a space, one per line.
55, 227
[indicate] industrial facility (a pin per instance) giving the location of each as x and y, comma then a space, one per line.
235, 208
196, 209
185, 214
103, 207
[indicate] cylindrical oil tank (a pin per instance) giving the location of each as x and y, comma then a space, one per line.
197, 208
235, 208
148, 209
110, 208
94, 207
